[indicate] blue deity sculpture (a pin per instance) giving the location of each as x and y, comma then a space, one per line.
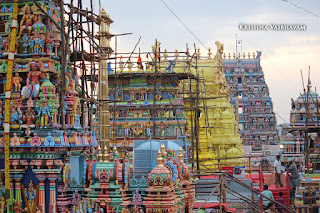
15, 116
87, 206
30, 195
36, 43
45, 111
77, 121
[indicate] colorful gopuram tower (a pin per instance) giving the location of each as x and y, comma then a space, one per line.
147, 110
40, 149
294, 147
250, 97
219, 141
51, 162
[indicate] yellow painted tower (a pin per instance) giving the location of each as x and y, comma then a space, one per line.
219, 140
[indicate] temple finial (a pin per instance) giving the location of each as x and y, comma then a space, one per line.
180, 155
99, 154
159, 159
105, 155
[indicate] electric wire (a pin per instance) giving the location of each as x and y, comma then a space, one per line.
184, 24
297, 6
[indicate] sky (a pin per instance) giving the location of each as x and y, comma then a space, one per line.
284, 53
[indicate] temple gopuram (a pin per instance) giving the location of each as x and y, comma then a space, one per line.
219, 141
42, 150
303, 113
147, 110
52, 162
250, 97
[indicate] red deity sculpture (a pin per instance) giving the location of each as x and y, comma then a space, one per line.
33, 86
17, 207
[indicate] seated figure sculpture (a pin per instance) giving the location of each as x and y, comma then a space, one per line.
33, 86
27, 21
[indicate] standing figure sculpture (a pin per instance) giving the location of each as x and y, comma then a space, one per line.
49, 43
31, 197
32, 90
45, 111
36, 43
27, 21
162, 129
16, 82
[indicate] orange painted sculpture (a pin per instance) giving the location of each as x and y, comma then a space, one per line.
16, 82
26, 21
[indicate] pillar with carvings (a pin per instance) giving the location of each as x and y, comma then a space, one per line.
53, 196
42, 195
17, 178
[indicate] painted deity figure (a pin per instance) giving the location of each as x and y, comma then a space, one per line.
137, 200
6, 43
33, 86
76, 198
77, 116
15, 115
29, 117
17, 207
16, 81
27, 21
126, 127
38, 25
162, 128
49, 43
30, 197
137, 129
45, 112
148, 128
36, 42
